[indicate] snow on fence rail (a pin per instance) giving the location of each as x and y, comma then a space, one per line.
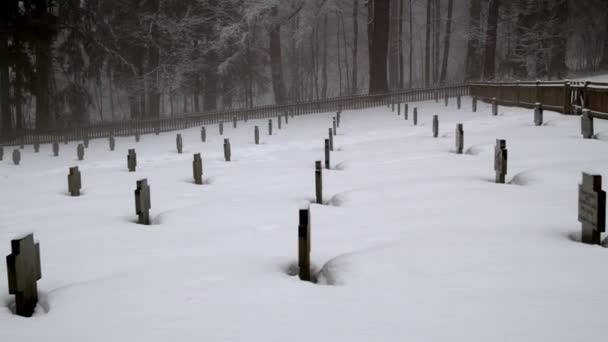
128, 128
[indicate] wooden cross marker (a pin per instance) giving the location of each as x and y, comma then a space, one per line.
74, 181
132, 160
592, 208
197, 169
142, 202
23, 269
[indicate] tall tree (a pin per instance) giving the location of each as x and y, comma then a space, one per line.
427, 45
377, 33
604, 63
401, 68
473, 69
411, 45
355, 45
446, 42
489, 64
559, 30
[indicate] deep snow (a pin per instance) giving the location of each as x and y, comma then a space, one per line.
417, 241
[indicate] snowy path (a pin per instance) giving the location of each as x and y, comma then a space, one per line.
419, 242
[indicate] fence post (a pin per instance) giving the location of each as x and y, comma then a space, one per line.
304, 245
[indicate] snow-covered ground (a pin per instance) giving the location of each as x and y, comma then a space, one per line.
417, 243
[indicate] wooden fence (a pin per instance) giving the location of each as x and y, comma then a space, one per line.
559, 96
126, 128
562, 96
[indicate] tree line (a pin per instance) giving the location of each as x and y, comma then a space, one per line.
74, 62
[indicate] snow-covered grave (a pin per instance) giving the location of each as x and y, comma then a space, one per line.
415, 243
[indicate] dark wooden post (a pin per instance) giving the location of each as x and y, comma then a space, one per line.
178, 143
406, 111
446, 99
112, 142
331, 140
142, 202
132, 160
327, 163
227, 152
203, 134
458, 102
459, 138
338, 114
16, 156
55, 149
279, 122
474, 104
74, 181
137, 137
36, 146
494, 106
23, 271
415, 116
1, 152
500, 160
538, 114
221, 127
80, 151
319, 182
197, 169
592, 208
587, 124
234, 122
435, 126
256, 135
335, 126
398, 108
304, 245
270, 127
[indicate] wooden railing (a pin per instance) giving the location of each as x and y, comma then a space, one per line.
126, 128
559, 96
562, 96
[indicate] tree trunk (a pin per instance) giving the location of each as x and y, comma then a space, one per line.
355, 45
43, 61
110, 90
339, 60
226, 92
377, 30
490, 43
5, 107
19, 119
436, 29
446, 43
211, 84
604, 62
520, 50
401, 68
411, 45
557, 65
427, 46
196, 91
473, 69
276, 65
324, 67
153, 86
